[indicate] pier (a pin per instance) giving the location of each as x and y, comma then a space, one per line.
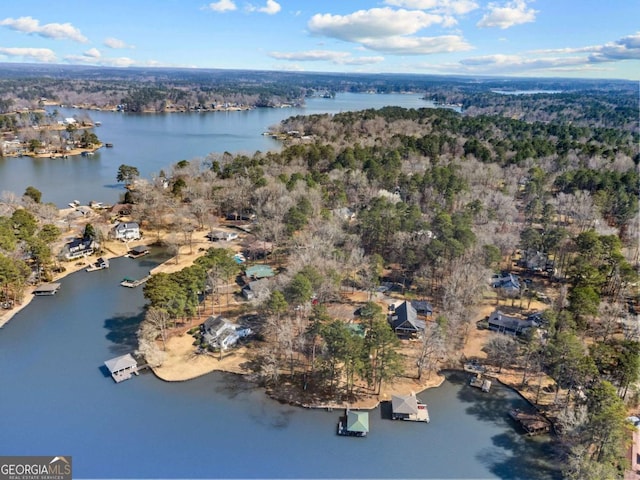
482, 383
130, 283
100, 264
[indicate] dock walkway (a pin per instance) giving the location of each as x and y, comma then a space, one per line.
129, 283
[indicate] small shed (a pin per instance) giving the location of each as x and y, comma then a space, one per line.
122, 367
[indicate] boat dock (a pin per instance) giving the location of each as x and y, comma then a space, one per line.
100, 264
408, 407
122, 368
47, 289
482, 383
532, 423
131, 283
137, 252
353, 424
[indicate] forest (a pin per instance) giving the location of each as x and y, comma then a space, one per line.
434, 203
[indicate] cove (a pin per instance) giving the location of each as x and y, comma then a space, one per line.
57, 400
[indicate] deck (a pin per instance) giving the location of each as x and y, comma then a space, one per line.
532, 423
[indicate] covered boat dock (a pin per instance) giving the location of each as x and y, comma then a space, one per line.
121, 368
47, 289
354, 424
407, 407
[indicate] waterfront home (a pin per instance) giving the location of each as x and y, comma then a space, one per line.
79, 248
404, 320
122, 367
501, 323
408, 407
221, 333
126, 231
354, 424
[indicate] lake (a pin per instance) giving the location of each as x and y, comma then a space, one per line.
152, 142
57, 400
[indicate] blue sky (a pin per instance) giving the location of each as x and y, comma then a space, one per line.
559, 38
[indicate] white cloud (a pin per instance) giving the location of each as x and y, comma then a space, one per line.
373, 23
88, 58
389, 31
271, 8
57, 31
627, 48
512, 13
339, 58
419, 45
116, 43
222, 6
570, 59
93, 53
39, 54
450, 7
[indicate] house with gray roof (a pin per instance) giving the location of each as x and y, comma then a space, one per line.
404, 320
126, 231
501, 323
79, 248
221, 333
508, 284
422, 307
256, 288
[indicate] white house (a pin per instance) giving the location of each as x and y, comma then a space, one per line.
222, 333
126, 231
79, 248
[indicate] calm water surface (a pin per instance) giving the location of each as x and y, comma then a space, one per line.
152, 142
56, 400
